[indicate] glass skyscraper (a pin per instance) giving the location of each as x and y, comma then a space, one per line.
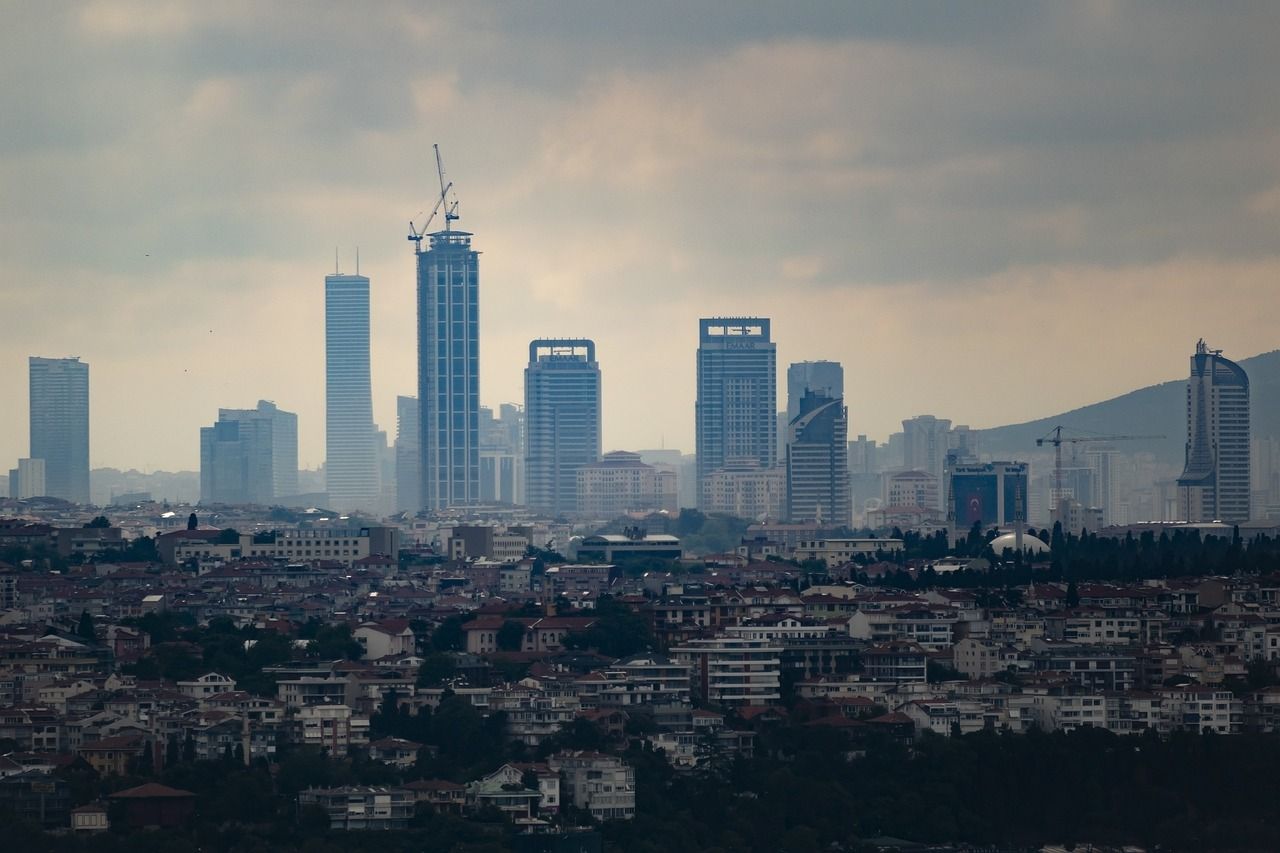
822, 377
249, 456
60, 425
818, 461
449, 370
736, 411
351, 461
562, 421
1214, 485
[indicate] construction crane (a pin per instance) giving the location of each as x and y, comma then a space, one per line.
1057, 439
450, 208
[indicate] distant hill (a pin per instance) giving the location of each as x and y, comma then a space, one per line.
1154, 410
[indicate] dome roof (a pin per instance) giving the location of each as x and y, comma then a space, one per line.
1010, 541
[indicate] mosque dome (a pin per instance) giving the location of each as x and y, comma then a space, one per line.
1010, 541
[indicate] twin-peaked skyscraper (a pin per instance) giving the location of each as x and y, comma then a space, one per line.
351, 457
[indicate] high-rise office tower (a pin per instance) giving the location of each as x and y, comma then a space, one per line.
351, 460
408, 472
736, 410
60, 425
562, 421
1214, 485
449, 370
249, 456
818, 461
925, 441
502, 455
822, 377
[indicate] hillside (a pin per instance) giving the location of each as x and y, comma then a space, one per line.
1154, 410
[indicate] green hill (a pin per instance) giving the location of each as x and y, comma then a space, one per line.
1154, 410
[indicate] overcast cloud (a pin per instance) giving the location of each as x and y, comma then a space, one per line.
987, 211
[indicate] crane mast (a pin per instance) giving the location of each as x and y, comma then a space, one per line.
443, 202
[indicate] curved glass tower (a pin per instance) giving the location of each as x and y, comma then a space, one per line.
1214, 485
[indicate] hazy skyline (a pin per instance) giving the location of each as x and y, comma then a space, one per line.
989, 212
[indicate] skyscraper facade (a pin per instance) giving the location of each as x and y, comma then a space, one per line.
562, 421
408, 472
818, 461
735, 414
59, 420
449, 370
351, 461
249, 456
1214, 485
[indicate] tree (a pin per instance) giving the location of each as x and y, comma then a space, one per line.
99, 523
436, 669
230, 536
511, 636
192, 522
449, 637
85, 629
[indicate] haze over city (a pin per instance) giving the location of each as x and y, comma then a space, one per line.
992, 212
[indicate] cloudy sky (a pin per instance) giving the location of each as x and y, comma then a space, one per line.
986, 211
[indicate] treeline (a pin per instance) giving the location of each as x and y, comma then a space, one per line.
1187, 792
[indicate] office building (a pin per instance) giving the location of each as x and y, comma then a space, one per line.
621, 483
351, 461
736, 409
502, 455
27, 480
745, 490
249, 456
59, 421
1214, 485
818, 461
994, 494
821, 377
449, 370
562, 421
408, 472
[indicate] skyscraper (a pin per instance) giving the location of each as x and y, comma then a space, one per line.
562, 421
249, 456
1214, 485
351, 462
408, 471
735, 413
925, 442
824, 377
60, 425
449, 370
818, 461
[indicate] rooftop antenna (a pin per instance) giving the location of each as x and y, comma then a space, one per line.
335, 261
357, 260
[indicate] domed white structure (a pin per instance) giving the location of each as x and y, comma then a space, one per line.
1010, 541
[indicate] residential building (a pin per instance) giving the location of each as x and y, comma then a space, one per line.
59, 421
745, 490
249, 456
837, 552
621, 483
597, 783
562, 421
818, 461
362, 807
736, 409
449, 369
351, 459
28, 480
1214, 485
733, 671
925, 443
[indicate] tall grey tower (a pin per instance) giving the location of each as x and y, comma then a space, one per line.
735, 414
60, 425
449, 370
249, 456
1214, 485
351, 462
562, 421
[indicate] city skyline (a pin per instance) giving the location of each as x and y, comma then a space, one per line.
846, 210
